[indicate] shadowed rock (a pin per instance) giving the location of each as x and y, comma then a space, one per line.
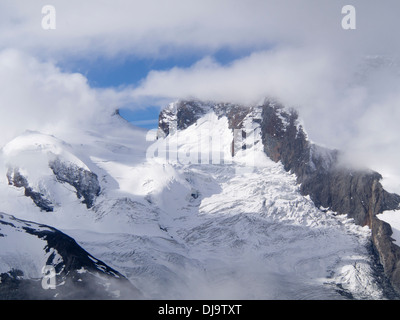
79, 275
16, 179
85, 182
357, 193
345, 190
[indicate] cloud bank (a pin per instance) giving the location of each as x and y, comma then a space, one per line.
37, 95
356, 110
345, 83
159, 28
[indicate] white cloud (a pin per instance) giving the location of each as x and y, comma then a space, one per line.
311, 80
301, 55
290, 74
346, 104
36, 95
161, 28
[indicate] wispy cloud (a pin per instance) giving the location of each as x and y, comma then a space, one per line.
298, 53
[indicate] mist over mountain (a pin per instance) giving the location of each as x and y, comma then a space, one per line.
223, 201
272, 174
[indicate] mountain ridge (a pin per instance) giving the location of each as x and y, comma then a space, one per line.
203, 206
355, 192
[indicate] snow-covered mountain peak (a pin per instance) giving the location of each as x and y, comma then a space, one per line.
33, 144
224, 187
42, 165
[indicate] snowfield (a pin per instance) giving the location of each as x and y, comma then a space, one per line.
185, 226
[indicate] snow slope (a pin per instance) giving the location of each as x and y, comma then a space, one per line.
183, 219
393, 218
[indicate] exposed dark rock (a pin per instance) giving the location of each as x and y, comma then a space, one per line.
73, 256
187, 114
184, 113
180, 115
284, 140
357, 193
387, 251
235, 113
84, 181
16, 179
76, 286
79, 275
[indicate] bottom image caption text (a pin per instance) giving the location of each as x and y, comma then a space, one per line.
206, 309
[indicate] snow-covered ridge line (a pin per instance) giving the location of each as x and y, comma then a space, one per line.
204, 228
357, 193
33, 159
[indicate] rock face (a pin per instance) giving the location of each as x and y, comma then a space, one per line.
179, 116
85, 182
182, 114
389, 253
357, 193
78, 274
16, 179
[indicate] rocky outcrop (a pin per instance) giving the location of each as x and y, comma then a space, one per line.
183, 113
284, 139
180, 115
357, 193
16, 179
78, 275
388, 252
85, 182
345, 190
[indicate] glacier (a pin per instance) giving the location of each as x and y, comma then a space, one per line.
188, 215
